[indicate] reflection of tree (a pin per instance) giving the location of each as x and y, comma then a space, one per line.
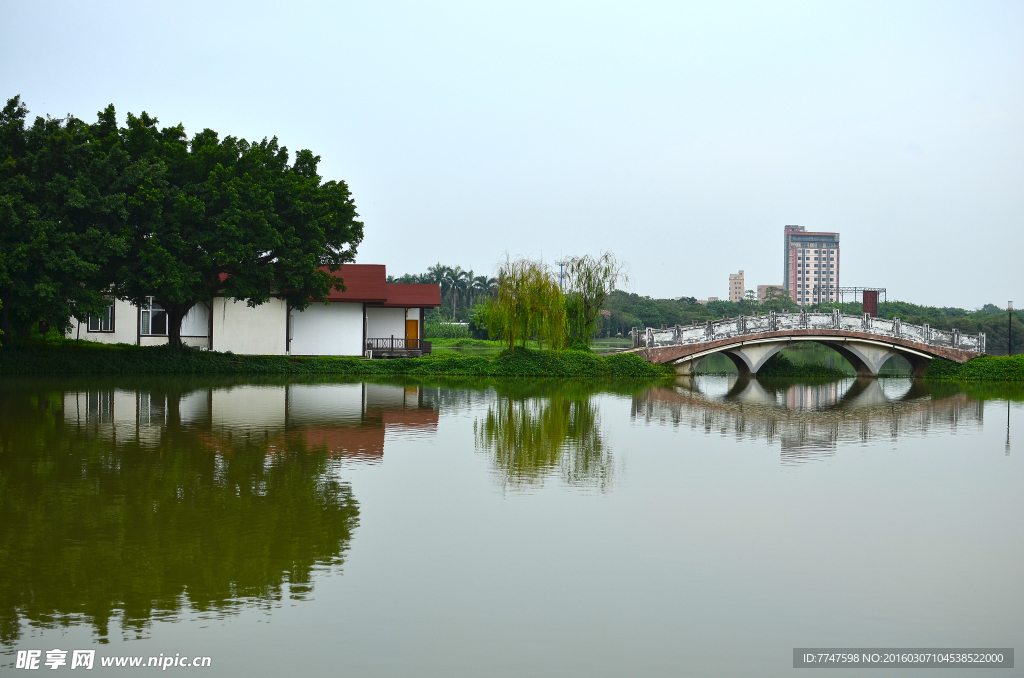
533, 436
91, 528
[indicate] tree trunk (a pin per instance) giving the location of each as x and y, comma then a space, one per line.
175, 314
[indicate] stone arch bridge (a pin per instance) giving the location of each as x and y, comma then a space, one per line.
749, 341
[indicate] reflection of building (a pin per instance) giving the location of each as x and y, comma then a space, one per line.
736, 286
808, 420
351, 420
811, 265
370, 312
813, 396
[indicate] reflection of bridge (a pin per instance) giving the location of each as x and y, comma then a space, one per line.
807, 420
749, 341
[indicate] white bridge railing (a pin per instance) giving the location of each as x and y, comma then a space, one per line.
750, 325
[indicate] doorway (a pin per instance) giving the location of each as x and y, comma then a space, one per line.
412, 334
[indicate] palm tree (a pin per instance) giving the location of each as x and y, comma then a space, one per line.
455, 279
435, 273
466, 289
446, 281
484, 286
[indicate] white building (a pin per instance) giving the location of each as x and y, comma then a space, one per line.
370, 315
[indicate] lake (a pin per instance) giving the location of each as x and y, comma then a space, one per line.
505, 528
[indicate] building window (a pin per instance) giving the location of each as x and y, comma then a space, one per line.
154, 319
103, 322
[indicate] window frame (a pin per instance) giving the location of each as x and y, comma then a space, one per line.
100, 320
146, 319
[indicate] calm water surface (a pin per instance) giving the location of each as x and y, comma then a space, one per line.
469, 528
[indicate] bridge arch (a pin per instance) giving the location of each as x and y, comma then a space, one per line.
749, 341
866, 357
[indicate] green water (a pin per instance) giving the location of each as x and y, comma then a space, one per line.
704, 527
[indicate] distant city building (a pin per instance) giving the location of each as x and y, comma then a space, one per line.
811, 265
705, 302
762, 291
736, 286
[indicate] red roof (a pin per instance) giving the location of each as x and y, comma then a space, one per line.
363, 282
404, 295
368, 283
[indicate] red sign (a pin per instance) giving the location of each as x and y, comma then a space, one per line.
871, 303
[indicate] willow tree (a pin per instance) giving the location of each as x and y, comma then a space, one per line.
528, 303
589, 282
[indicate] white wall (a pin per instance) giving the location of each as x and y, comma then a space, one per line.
196, 322
327, 329
249, 331
126, 320
382, 323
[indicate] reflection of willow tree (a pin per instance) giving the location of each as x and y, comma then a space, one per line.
531, 436
91, 529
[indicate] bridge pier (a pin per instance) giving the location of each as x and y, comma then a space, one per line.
687, 367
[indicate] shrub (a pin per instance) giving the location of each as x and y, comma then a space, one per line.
435, 329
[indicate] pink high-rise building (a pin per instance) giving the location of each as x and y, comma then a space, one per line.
811, 265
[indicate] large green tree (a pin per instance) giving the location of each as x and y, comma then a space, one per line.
62, 217
233, 218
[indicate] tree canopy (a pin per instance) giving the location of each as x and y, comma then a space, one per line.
140, 211
232, 218
63, 217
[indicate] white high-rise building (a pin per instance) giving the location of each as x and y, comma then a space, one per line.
811, 265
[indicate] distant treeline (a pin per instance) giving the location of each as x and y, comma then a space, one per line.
461, 289
990, 319
629, 310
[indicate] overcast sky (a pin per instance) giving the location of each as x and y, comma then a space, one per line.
682, 137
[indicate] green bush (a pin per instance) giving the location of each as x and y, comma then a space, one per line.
434, 329
780, 366
982, 368
96, 359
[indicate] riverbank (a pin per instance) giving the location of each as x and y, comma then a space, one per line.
90, 358
781, 367
982, 368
